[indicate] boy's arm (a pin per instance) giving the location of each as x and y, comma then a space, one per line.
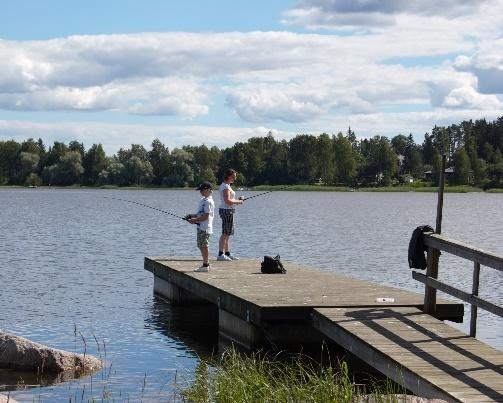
199, 218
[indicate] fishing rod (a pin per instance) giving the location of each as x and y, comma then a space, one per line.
269, 191
146, 205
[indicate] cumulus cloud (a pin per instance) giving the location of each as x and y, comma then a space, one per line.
264, 77
486, 64
116, 136
373, 13
469, 98
272, 75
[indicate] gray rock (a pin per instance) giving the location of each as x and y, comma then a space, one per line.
22, 354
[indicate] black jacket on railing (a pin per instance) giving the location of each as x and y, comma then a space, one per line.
417, 260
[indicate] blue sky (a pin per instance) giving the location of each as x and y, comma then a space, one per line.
218, 72
55, 18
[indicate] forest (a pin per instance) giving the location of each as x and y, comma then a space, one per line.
473, 150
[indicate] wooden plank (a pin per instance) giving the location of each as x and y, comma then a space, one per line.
430, 359
462, 295
464, 250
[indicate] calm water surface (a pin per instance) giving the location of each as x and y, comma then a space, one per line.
72, 259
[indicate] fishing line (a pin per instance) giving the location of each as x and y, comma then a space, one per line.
146, 205
269, 191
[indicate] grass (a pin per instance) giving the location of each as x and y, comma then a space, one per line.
262, 378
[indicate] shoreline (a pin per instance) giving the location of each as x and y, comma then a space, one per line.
292, 188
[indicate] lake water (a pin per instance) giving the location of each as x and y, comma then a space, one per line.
73, 259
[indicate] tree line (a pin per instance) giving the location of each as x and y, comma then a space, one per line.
473, 149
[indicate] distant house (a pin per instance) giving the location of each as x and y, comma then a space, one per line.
408, 178
448, 173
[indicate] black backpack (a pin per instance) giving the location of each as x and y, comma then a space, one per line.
272, 265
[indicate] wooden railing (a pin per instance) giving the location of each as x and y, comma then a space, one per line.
437, 243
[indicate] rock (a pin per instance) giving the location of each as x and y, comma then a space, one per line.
7, 399
22, 354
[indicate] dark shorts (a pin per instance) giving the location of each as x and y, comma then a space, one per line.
227, 216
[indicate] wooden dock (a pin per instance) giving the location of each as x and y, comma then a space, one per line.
427, 356
383, 326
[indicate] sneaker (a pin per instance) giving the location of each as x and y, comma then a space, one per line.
232, 257
203, 269
223, 258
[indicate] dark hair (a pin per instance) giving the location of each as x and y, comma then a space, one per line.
229, 172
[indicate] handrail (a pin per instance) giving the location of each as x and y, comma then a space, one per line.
463, 250
437, 243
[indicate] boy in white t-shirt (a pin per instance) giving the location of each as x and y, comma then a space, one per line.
204, 220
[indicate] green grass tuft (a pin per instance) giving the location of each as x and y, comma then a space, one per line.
262, 378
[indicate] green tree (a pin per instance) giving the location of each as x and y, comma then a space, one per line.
345, 161
9, 161
325, 158
461, 167
158, 157
114, 174
55, 153
181, 173
302, 158
436, 167
380, 159
136, 150
399, 144
137, 171
78, 147
428, 149
277, 164
29, 164
94, 162
66, 172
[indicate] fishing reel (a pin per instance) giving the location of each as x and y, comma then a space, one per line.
187, 217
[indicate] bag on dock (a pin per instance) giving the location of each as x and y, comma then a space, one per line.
272, 265
417, 248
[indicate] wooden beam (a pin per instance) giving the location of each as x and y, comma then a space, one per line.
475, 292
464, 296
464, 250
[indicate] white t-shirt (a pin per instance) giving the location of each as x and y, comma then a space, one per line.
206, 205
232, 195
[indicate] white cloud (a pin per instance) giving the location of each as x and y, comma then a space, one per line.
285, 78
486, 64
115, 136
468, 98
374, 13
292, 103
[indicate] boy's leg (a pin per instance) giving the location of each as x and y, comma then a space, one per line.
205, 254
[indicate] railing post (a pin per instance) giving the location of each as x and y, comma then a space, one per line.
475, 291
430, 293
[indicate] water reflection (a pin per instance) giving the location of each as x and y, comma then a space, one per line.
13, 380
195, 327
